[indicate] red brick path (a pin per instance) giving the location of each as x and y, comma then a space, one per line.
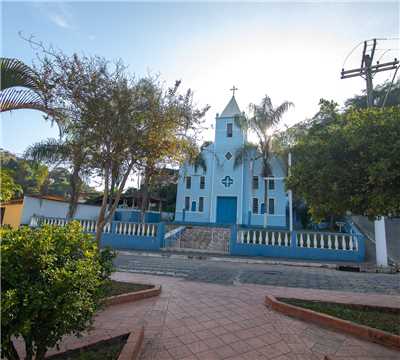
193, 320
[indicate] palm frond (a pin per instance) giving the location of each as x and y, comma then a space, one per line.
14, 99
49, 151
15, 73
280, 110
245, 152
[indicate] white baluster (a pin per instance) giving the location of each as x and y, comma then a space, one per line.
285, 240
329, 242
351, 243
308, 240
355, 243
314, 240
301, 240
336, 242
153, 232
142, 229
273, 238
242, 237
259, 237
322, 241
148, 230
279, 239
343, 242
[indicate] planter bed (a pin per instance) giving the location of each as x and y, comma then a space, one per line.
105, 350
119, 287
122, 292
377, 324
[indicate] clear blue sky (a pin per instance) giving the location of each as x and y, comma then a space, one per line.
291, 51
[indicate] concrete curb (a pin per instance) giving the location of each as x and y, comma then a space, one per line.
133, 296
361, 331
133, 346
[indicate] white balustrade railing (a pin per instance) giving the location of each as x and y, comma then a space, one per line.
121, 228
331, 241
263, 237
137, 229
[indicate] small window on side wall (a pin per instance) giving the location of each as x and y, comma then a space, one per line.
202, 182
271, 184
255, 206
255, 182
271, 206
187, 203
201, 204
229, 130
188, 182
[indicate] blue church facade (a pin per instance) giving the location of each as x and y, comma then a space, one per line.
225, 194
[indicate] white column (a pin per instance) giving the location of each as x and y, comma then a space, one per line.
380, 242
290, 194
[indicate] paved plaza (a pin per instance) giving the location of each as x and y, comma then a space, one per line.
228, 273
198, 320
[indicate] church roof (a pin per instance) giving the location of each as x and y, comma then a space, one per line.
231, 109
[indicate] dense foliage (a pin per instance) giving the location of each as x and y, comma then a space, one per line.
53, 279
350, 163
8, 188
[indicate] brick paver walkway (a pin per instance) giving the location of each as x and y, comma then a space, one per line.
194, 320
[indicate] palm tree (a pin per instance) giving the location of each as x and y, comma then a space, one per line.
264, 118
54, 151
20, 86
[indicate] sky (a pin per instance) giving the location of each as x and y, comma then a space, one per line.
289, 50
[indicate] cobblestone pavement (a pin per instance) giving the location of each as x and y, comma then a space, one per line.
197, 320
227, 273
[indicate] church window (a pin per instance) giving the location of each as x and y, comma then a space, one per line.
188, 182
187, 203
271, 206
202, 182
255, 206
229, 130
228, 156
255, 182
271, 184
201, 204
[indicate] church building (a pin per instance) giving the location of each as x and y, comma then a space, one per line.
225, 194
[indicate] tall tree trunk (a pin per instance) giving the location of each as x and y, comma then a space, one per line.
9, 351
76, 184
145, 195
28, 348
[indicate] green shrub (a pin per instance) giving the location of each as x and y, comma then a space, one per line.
53, 280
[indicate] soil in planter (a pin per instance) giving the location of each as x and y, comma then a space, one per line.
385, 319
118, 288
104, 350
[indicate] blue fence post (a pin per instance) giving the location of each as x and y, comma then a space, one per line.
161, 234
293, 239
232, 240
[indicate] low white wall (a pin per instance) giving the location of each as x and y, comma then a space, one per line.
52, 208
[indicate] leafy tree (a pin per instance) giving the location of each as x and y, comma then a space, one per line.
351, 164
172, 122
263, 120
8, 188
53, 280
380, 93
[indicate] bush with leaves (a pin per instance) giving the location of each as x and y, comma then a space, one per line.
53, 280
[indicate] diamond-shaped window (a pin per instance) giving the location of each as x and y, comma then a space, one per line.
228, 155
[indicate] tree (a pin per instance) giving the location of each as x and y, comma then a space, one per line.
173, 122
8, 188
20, 88
53, 280
351, 164
262, 121
382, 91
71, 153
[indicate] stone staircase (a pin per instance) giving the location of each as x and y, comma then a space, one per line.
205, 239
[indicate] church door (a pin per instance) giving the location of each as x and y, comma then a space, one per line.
226, 210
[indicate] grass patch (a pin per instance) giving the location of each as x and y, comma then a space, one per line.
105, 350
385, 319
118, 288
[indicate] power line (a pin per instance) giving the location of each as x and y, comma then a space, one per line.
367, 70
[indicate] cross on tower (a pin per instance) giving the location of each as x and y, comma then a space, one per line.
233, 89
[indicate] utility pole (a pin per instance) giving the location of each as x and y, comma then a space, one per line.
367, 70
